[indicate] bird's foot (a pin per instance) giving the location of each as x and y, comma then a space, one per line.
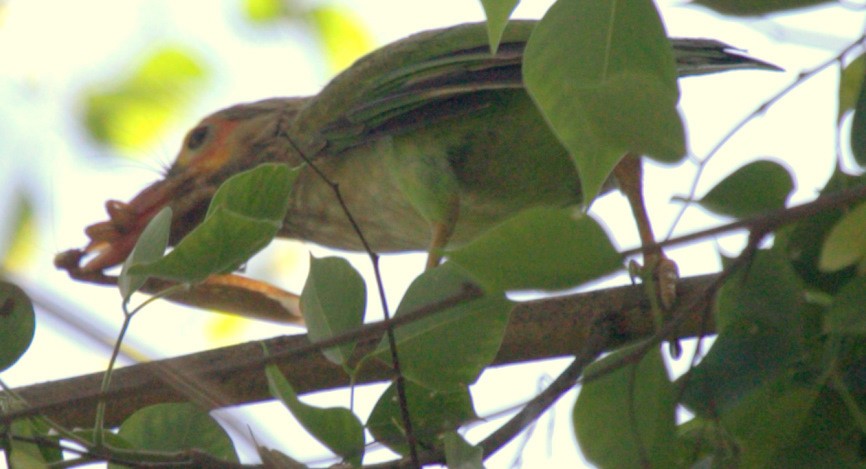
660, 275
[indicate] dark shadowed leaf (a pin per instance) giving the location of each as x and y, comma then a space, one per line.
17, 324
760, 321
847, 314
858, 127
768, 421
804, 242
626, 417
433, 413
333, 301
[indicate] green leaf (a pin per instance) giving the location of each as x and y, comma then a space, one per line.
149, 247
846, 243
768, 421
333, 301
132, 113
498, 12
847, 314
826, 438
176, 427
603, 75
243, 218
510, 257
259, 193
25, 454
432, 413
850, 83
756, 7
858, 127
447, 350
628, 414
337, 428
459, 454
760, 321
17, 324
804, 244
757, 187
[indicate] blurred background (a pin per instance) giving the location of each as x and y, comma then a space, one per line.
96, 95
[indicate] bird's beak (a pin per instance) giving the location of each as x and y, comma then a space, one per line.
113, 240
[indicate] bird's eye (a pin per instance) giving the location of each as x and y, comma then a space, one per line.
197, 137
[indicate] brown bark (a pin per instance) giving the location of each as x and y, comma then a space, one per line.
234, 375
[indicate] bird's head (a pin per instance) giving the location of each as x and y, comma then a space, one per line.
221, 145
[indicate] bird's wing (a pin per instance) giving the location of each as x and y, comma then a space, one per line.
426, 77
445, 73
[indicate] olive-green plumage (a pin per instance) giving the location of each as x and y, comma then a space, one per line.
431, 140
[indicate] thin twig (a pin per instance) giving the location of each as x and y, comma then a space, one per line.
374, 259
760, 110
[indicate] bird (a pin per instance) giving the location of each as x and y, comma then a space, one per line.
431, 140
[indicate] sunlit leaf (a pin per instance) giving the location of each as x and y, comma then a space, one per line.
336, 427
343, 34
846, 243
449, 349
243, 218
498, 12
264, 11
333, 301
130, 114
603, 75
756, 7
19, 245
628, 414
21, 453
177, 427
149, 247
432, 413
757, 187
17, 324
540, 249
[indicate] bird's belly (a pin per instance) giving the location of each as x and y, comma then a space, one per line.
379, 211
503, 160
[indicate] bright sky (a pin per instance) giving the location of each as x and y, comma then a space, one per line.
52, 50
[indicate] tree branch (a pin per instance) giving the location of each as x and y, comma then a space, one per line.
234, 375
